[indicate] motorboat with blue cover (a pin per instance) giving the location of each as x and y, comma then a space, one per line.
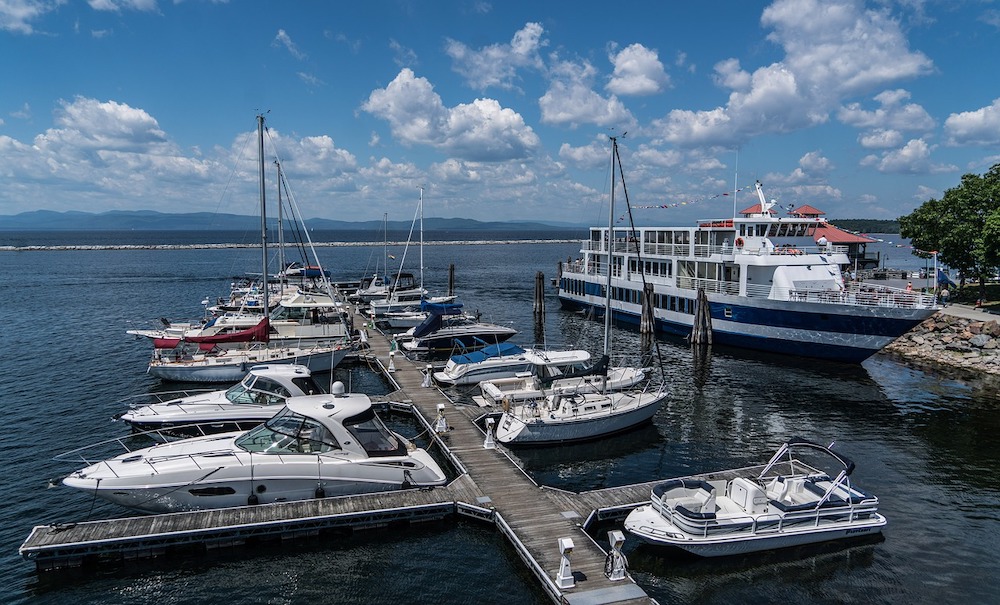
506, 360
448, 328
788, 503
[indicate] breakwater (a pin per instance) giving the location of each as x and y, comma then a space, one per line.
949, 341
223, 246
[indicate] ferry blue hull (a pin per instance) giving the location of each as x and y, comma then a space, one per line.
839, 336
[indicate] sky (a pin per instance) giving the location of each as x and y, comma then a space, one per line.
493, 110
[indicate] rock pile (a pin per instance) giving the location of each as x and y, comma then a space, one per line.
955, 342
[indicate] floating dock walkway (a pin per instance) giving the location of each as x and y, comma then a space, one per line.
537, 520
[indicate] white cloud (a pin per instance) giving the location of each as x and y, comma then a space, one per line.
881, 139
980, 127
402, 56
571, 100
283, 39
497, 65
638, 71
18, 15
912, 158
893, 114
481, 130
834, 49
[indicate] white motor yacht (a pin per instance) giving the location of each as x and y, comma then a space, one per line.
317, 446
259, 396
789, 503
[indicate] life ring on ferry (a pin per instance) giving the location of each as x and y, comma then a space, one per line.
739, 242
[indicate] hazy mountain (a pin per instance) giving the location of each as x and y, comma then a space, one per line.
149, 220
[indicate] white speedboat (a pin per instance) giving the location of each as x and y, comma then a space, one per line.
761, 511
506, 360
259, 396
565, 416
317, 446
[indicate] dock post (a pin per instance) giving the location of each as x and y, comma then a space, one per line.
441, 423
616, 565
539, 307
451, 279
427, 382
392, 362
647, 324
565, 578
489, 444
701, 330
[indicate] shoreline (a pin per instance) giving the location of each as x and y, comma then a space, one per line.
958, 338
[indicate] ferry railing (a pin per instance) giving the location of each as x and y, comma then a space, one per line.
710, 285
854, 294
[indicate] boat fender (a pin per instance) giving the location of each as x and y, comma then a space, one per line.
320, 492
505, 404
739, 242
252, 500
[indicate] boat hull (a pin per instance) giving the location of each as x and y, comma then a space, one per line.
513, 430
233, 368
646, 524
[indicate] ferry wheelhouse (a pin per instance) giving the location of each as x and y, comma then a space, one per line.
772, 283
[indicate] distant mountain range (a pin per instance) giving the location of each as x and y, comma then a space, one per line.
149, 220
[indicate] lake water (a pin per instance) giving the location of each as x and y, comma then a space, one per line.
927, 444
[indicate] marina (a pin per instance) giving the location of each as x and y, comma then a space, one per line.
725, 412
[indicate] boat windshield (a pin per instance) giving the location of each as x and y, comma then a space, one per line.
259, 390
288, 433
374, 436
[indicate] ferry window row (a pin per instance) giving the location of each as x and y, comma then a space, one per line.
778, 230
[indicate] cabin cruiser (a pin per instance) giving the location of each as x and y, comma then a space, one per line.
317, 446
789, 503
447, 328
259, 396
506, 360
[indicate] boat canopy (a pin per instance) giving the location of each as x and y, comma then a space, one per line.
600, 368
496, 350
452, 308
258, 333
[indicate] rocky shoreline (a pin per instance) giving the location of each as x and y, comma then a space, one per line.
946, 341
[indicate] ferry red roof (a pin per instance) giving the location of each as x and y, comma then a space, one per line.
835, 235
806, 211
755, 209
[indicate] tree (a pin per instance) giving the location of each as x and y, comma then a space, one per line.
963, 227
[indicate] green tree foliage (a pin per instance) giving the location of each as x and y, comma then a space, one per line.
963, 227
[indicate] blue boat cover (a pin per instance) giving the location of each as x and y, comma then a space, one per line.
452, 308
497, 350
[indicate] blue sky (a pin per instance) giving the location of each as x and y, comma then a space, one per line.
499, 110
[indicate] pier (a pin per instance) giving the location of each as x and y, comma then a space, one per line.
539, 522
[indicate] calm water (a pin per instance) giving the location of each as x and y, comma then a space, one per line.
926, 444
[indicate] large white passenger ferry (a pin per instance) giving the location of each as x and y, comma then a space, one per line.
772, 283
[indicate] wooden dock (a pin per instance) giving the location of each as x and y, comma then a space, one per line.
490, 486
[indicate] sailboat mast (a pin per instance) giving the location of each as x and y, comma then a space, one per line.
611, 241
263, 213
421, 240
281, 232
